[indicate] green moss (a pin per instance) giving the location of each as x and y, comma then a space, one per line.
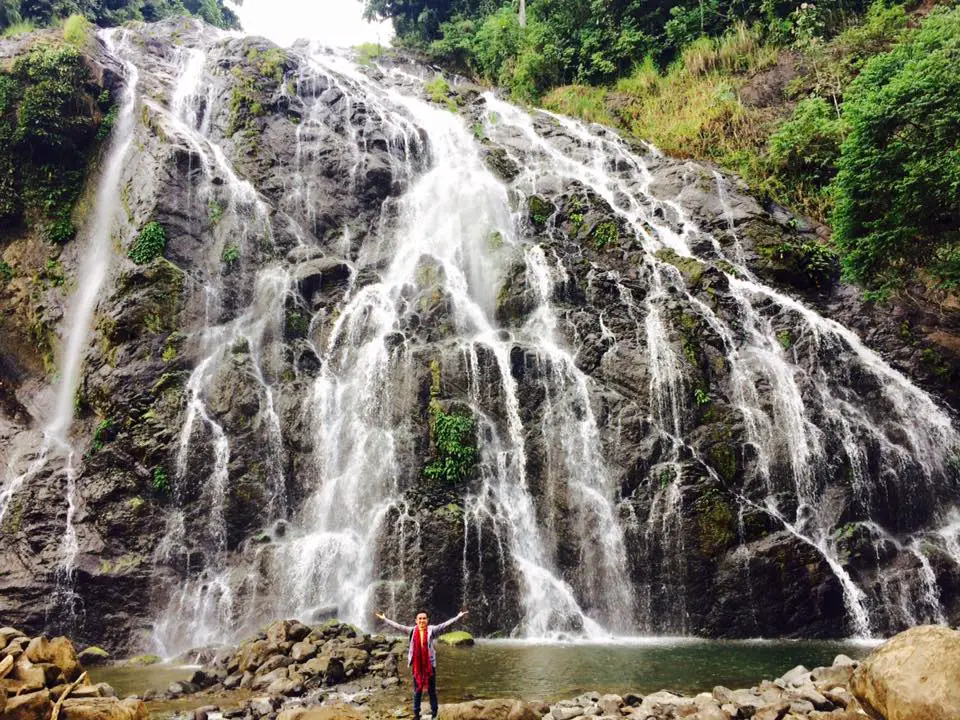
296, 325
438, 90
539, 210
690, 268
458, 638
724, 460
13, 519
785, 338
135, 503
716, 524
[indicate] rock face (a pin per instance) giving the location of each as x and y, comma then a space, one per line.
913, 675
394, 356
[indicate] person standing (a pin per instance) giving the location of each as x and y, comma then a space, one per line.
422, 656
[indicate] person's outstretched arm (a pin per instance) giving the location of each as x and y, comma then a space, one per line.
451, 621
395, 624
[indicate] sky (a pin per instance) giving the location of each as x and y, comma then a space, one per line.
333, 22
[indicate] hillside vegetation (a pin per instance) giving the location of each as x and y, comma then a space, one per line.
18, 16
845, 112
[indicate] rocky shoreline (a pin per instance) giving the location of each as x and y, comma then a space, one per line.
290, 671
914, 676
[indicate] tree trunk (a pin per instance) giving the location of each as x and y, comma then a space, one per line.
523, 13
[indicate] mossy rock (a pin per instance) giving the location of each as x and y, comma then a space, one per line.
691, 268
93, 655
540, 210
459, 638
143, 660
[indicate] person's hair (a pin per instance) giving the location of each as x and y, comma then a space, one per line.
422, 612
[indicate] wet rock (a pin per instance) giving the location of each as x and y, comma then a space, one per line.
29, 706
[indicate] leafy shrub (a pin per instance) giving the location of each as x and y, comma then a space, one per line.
76, 29
897, 200
808, 144
231, 254
455, 444
149, 245
6, 272
161, 482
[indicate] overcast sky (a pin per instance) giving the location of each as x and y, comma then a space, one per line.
332, 22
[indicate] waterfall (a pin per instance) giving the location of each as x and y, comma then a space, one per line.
639, 423
96, 259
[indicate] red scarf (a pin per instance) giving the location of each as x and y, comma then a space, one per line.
422, 668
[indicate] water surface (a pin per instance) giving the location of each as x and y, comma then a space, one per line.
537, 671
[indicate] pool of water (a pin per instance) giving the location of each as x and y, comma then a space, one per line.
537, 671
687, 666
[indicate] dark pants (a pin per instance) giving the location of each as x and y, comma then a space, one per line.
418, 696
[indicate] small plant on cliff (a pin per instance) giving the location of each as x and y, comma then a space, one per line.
6, 272
606, 233
103, 434
77, 30
149, 245
453, 437
231, 254
160, 481
701, 397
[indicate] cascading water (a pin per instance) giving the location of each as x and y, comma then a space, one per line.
644, 410
97, 256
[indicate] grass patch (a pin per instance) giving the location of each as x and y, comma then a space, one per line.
18, 28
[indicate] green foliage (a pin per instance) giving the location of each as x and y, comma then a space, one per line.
231, 254
785, 338
606, 234
106, 125
438, 90
806, 147
701, 397
898, 185
455, 450
539, 210
104, 433
161, 483
21, 27
149, 245
77, 30
46, 133
368, 52
215, 211
16, 13
296, 325
6, 272
453, 436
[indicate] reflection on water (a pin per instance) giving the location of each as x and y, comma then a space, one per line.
688, 666
503, 668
